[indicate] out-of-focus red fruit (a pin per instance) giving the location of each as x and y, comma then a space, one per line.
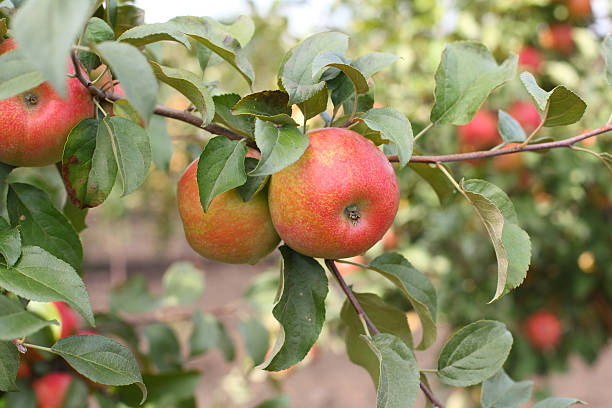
578, 8
347, 269
508, 162
481, 132
51, 389
24, 370
526, 114
557, 37
543, 330
70, 320
531, 59
390, 240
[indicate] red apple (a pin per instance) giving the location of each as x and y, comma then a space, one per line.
557, 37
481, 132
531, 59
51, 389
231, 231
24, 370
526, 114
338, 199
34, 125
579, 8
543, 330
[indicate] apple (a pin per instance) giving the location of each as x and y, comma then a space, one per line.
526, 114
578, 8
67, 318
531, 59
231, 231
34, 125
481, 132
338, 199
557, 37
51, 389
346, 269
543, 330
24, 370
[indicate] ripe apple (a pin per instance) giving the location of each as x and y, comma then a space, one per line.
526, 114
338, 199
531, 58
557, 37
24, 370
481, 132
231, 231
543, 330
34, 125
509, 162
51, 389
67, 318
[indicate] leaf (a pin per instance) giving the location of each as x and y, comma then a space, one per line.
607, 54
242, 29
416, 287
42, 224
300, 309
560, 106
386, 318
295, 74
18, 74
132, 296
108, 323
100, 359
558, 403
96, 32
225, 343
254, 184
370, 64
474, 353
40, 276
164, 349
271, 106
89, 168
500, 391
204, 335
161, 143
337, 60
25, 398
435, 178
9, 364
281, 401
315, 104
256, 339
134, 74
220, 168
518, 248
16, 322
243, 124
5, 170
190, 85
183, 284
132, 149
35, 27
165, 390
466, 75
10, 243
218, 41
280, 147
509, 128
76, 394
150, 33
399, 374
75, 215
393, 126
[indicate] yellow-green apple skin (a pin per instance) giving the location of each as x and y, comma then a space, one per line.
338, 199
231, 231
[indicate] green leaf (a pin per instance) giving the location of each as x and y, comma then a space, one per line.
560, 106
165, 390
108, 323
9, 364
242, 29
18, 74
25, 398
161, 143
466, 75
271, 106
10, 243
225, 343
435, 178
132, 296
509, 128
207, 333
256, 339
416, 287
220, 168
607, 54
518, 248
40, 276
254, 184
300, 309
474, 353
96, 32
280, 147
243, 124
89, 168
558, 403
295, 74
132, 149
386, 318
500, 391
134, 73
150, 33
35, 27
76, 394
337, 60
370, 64
281, 401
393, 126
164, 349
398, 386
190, 85
75, 215
183, 284
5, 170
126, 17
16, 322
315, 104
218, 41
101, 359
42, 224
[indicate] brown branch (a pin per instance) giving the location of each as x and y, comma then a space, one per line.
371, 327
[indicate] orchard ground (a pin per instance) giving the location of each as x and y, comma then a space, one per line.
330, 380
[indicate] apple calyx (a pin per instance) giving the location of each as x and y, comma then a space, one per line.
30, 99
352, 212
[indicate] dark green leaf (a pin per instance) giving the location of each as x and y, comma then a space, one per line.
9, 364
243, 124
500, 391
474, 353
280, 147
557, 403
435, 178
337, 60
18, 74
164, 349
509, 128
134, 72
254, 184
220, 168
256, 339
96, 32
165, 390
16, 322
35, 27
392, 126
132, 296
300, 309
40, 276
161, 143
150, 33
75, 215
271, 106
183, 284
466, 75
10, 243
315, 104
607, 54
416, 287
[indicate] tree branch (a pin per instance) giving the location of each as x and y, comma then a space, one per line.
362, 315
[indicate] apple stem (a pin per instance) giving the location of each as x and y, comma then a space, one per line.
34, 346
331, 265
